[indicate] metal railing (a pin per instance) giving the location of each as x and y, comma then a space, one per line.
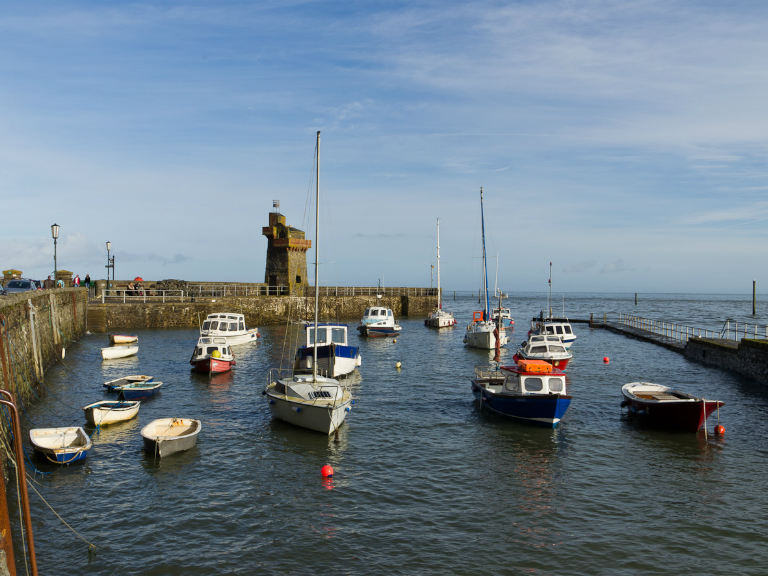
223, 290
124, 296
731, 329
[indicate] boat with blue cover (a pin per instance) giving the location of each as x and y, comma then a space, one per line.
531, 391
123, 380
335, 357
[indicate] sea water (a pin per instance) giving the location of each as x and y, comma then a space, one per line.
424, 482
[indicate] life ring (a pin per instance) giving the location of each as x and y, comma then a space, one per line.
477, 316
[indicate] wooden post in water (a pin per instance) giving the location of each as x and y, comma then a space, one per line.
635, 298
753, 297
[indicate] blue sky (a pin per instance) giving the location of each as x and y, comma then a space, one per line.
624, 142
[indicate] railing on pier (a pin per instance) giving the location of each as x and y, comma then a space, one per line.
731, 330
373, 291
222, 290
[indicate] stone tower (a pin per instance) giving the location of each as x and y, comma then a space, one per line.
286, 255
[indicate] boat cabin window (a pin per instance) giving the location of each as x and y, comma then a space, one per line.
533, 384
214, 325
322, 335
242, 325
567, 329
556, 348
550, 329
233, 326
211, 349
559, 329
512, 383
538, 349
556, 385
206, 325
389, 312
338, 335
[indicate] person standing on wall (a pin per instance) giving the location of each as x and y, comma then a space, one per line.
77, 280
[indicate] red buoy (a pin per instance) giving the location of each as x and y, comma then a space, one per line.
720, 430
606, 360
326, 471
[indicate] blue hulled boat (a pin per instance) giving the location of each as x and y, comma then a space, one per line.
138, 391
532, 391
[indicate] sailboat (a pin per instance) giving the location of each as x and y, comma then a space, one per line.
439, 318
483, 332
309, 401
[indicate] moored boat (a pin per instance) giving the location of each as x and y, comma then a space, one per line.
309, 401
377, 322
229, 325
63, 445
212, 355
166, 436
123, 380
664, 407
122, 339
335, 357
544, 347
110, 412
531, 391
483, 332
439, 318
119, 351
138, 390
560, 327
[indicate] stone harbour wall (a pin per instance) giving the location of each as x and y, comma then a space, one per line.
35, 329
258, 310
747, 357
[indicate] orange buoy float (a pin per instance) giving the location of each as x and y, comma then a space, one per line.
326, 471
720, 430
606, 360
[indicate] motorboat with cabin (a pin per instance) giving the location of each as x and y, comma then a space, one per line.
544, 347
212, 355
229, 325
335, 357
560, 327
531, 391
378, 321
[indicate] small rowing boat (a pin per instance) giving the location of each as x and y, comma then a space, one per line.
61, 445
166, 436
110, 412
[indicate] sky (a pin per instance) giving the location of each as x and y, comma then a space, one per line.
624, 142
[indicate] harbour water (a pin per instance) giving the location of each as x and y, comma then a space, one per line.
424, 482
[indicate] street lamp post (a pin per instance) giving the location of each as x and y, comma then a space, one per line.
109, 247
55, 236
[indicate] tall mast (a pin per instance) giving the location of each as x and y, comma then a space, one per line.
485, 266
549, 298
317, 247
439, 295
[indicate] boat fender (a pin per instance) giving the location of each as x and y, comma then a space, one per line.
624, 403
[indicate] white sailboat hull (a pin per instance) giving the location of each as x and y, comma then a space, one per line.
319, 417
480, 335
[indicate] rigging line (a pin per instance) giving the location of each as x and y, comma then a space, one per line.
91, 546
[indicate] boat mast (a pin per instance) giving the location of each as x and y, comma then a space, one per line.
549, 298
485, 266
317, 257
439, 295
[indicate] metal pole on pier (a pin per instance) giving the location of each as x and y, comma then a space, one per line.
753, 297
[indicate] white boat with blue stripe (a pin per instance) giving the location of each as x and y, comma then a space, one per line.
335, 357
